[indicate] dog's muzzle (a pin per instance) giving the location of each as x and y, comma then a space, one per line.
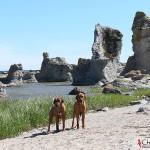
57, 104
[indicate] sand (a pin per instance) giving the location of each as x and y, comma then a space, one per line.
115, 129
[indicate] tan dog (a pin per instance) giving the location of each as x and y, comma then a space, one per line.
79, 109
58, 111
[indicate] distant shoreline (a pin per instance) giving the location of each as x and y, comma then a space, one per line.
22, 70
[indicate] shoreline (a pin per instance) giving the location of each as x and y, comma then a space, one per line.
118, 128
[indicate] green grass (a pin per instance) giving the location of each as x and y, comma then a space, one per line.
17, 116
96, 89
142, 91
108, 100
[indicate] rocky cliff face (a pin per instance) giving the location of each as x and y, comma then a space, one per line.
141, 44
141, 41
103, 65
15, 74
54, 70
107, 43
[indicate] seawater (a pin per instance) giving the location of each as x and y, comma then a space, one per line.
48, 89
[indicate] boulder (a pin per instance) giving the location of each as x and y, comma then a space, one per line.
15, 74
2, 90
135, 74
76, 91
109, 89
105, 109
132, 73
54, 70
29, 77
138, 77
105, 59
135, 103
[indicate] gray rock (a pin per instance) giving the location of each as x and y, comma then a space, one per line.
76, 91
15, 75
29, 77
141, 109
103, 109
135, 103
138, 77
105, 59
107, 43
141, 44
111, 91
130, 65
143, 101
141, 41
54, 70
2, 90
132, 73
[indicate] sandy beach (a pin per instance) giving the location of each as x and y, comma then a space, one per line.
115, 129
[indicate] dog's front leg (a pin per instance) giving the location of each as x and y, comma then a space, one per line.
73, 120
50, 121
78, 121
63, 120
57, 123
83, 120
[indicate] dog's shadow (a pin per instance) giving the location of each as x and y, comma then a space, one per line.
46, 133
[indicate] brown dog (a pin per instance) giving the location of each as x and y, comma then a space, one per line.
79, 109
58, 111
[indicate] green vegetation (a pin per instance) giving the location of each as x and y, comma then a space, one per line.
17, 116
108, 100
142, 91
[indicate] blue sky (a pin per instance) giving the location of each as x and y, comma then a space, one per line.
63, 28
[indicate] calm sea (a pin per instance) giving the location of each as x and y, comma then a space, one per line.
34, 90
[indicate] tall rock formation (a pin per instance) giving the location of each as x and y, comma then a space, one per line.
103, 65
54, 70
141, 44
15, 74
141, 41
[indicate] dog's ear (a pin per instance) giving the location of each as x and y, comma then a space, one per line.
77, 97
62, 101
54, 101
84, 97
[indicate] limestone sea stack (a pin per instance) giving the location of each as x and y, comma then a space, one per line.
141, 44
104, 63
15, 75
54, 70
